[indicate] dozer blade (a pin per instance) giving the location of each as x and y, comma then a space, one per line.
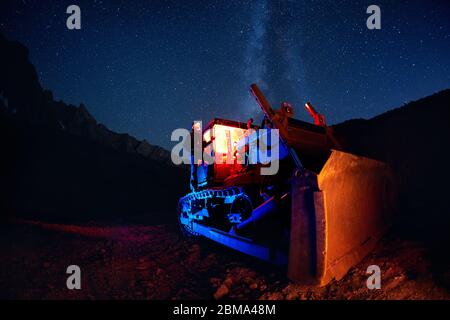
338, 219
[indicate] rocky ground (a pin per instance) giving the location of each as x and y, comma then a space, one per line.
154, 262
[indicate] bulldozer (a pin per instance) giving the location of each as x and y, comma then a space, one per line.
321, 212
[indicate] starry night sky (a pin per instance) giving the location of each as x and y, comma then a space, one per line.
148, 67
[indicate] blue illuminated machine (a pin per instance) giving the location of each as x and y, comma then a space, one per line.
318, 214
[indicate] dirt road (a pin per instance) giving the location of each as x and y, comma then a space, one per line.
154, 262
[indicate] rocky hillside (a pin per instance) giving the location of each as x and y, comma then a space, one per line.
58, 162
21, 95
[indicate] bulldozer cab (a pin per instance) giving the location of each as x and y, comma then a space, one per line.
236, 153
220, 141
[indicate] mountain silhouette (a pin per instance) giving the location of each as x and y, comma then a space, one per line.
59, 163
